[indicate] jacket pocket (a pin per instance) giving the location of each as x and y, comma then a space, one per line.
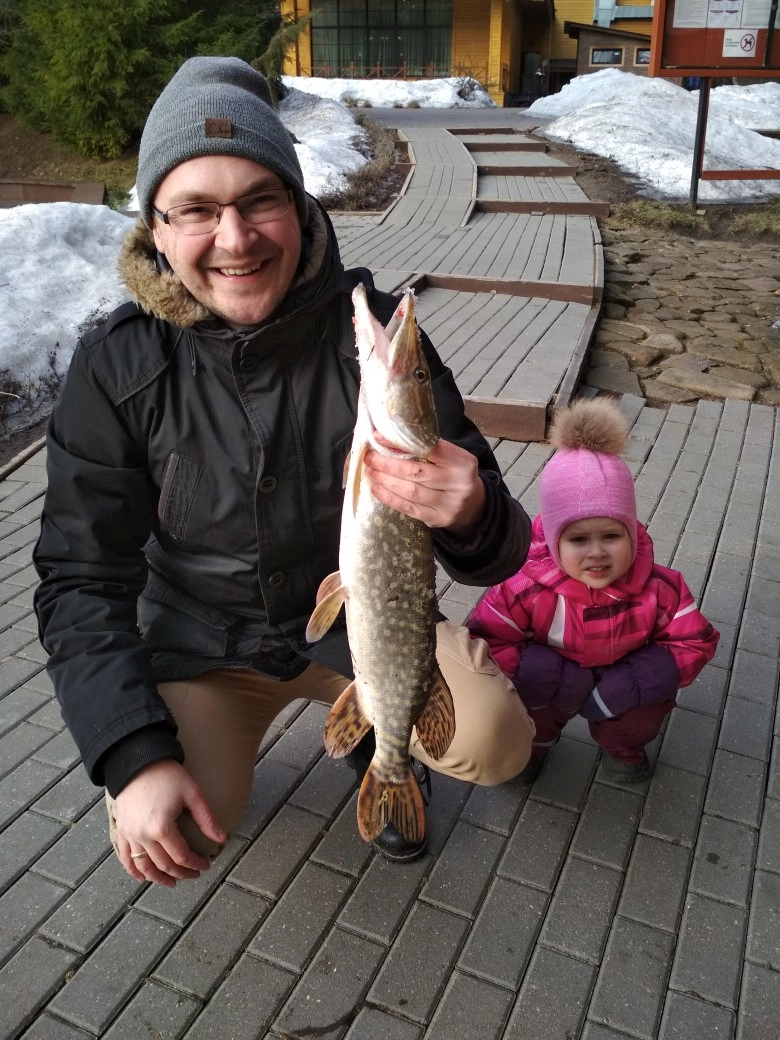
179, 484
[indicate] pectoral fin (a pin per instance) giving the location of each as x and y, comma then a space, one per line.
330, 599
346, 724
436, 723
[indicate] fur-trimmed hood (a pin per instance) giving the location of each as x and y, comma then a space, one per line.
160, 292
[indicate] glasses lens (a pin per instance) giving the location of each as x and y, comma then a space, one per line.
196, 218
265, 206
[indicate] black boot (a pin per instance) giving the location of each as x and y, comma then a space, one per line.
390, 843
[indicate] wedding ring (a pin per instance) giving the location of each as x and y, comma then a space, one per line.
138, 855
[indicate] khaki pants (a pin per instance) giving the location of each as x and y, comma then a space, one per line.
223, 715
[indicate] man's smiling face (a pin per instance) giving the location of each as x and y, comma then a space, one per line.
241, 272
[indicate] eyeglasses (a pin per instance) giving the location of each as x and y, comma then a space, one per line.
199, 218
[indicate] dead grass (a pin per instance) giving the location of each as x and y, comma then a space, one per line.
662, 216
761, 222
370, 187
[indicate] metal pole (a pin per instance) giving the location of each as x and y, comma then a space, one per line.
698, 144
769, 33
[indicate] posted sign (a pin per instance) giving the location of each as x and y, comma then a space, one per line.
715, 38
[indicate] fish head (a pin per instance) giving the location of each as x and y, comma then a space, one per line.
395, 381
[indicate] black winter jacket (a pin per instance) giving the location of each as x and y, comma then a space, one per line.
194, 498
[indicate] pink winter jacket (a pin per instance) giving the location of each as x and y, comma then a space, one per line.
594, 627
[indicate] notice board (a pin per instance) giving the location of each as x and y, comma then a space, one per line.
715, 38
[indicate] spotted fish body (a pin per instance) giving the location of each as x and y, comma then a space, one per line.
387, 583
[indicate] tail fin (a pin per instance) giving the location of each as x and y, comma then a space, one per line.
381, 802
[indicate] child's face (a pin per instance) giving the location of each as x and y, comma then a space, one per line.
596, 551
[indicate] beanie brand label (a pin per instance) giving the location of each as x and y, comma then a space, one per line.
218, 128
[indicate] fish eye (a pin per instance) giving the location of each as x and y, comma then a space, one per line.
420, 375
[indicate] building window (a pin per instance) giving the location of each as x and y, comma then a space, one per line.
381, 38
642, 56
604, 56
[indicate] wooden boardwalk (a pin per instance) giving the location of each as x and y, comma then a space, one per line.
504, 252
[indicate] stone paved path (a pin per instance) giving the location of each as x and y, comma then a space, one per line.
572, 909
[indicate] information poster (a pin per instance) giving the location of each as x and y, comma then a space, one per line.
721, 14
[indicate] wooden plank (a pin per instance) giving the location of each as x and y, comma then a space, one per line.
547, 170
584, 208
513, 421
548, 290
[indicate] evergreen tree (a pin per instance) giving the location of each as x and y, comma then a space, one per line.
90, 70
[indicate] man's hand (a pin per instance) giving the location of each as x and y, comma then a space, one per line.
146, 811
444, 491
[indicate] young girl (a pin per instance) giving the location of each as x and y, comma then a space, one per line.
591, 625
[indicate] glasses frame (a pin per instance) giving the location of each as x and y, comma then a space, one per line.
221, 206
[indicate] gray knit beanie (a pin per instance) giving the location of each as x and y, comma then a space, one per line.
215, 106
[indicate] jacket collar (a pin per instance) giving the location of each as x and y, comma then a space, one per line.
160, 292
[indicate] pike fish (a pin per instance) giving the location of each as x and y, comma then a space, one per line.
387, 583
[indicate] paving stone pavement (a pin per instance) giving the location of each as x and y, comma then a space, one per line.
571, 909
674, 332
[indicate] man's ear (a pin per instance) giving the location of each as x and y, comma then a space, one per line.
159, 239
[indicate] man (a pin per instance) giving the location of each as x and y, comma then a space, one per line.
195, 462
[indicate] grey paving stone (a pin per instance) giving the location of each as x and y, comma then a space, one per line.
61, 751
501, 942
381, 900
723, 863
342, 848
726, 588
19, 705
470, 1005
757, 1019
245, 1004
372, 1024
708, 961
594, 1031
462, 871
324, 1001
538, 846
9, 615
46, 1027
726, 646
736, 788
19, 789
70, 797
33, 651
754, 677
179, 905
763, 946
297, 923
567, 773
656, 882
707, 693
747, 728
447, 801
40, 681
607, 826
415, 972
16, 671
496, 808
13, 639
20, 744
279, 852
759, 633
23, 906
23, 842
580, 914
649, 952
49, 716
325, 787
155, 1011
28, 980
301, 745
214, 940
769, 840
685, 1018
553, 998
689, 741
84, 918
272, 784
79, 850
109, 976
673, 805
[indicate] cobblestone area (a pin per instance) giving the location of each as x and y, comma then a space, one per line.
685, 319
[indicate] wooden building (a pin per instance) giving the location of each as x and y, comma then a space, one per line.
518, 49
